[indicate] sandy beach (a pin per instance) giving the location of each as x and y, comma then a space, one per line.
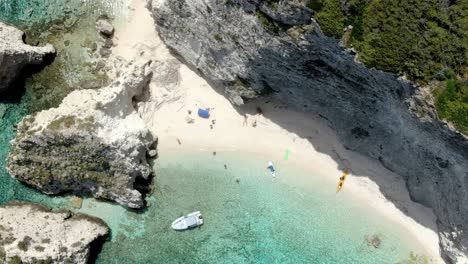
313, 145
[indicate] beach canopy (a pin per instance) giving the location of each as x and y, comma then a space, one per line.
203, 113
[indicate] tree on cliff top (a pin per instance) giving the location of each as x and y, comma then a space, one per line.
425, 40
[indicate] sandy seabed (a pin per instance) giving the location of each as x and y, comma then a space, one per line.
313, 145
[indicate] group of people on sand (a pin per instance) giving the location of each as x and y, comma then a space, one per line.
190, 120
259, 111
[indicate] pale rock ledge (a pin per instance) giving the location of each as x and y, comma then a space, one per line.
31, 233
94, 143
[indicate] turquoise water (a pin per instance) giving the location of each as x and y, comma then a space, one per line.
295, 218
69, 26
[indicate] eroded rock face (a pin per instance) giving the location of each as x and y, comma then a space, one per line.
93, 143
105, 27
15, 55
252, 48
31, 233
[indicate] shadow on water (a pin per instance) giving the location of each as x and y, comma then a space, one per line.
18, 87
95, 248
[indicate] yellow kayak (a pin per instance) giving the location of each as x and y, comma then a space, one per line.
342, 180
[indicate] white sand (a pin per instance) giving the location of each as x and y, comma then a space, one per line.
175, 89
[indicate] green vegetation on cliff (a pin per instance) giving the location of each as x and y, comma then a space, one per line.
426, 40
452, 103
330, 17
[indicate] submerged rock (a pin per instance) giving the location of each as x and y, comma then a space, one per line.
15, 55
93, 143
105, 27
373, 240
253, 48
31, 233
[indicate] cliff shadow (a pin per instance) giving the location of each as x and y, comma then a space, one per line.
324, 140
277, 88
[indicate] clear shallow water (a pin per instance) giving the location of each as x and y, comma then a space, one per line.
259, 220
70, 26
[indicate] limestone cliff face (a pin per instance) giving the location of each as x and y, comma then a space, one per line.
15, 55
253, 48
93, 143
31, 233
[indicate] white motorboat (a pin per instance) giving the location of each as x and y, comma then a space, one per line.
189, 221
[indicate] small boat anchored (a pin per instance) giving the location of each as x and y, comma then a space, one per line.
271, 168
187, 222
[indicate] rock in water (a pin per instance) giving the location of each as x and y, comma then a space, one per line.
31, 233
373, 240
15, 55
105, 27
93, 143
254, 48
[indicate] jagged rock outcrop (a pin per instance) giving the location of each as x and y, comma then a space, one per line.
105, 27
247, 48
106, 30
31, 233
93, 143
15, 55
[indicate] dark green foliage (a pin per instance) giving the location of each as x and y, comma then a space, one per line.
218, 37
74, 160
419, 38
273, 5
315, 5
452, 103
355, 10
15, 260
425, 40
331, 18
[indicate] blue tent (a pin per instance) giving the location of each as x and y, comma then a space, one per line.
203, 113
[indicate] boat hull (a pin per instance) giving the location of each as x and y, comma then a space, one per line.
188, 222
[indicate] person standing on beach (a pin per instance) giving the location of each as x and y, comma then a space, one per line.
245, 120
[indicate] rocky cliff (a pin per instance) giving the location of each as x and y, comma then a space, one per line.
15, 55
31, 233
252, 49
94, 143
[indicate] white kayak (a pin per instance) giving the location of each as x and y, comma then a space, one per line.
189, 221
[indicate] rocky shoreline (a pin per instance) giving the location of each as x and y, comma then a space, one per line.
246, 49
94, 144
32, 233
16, 56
